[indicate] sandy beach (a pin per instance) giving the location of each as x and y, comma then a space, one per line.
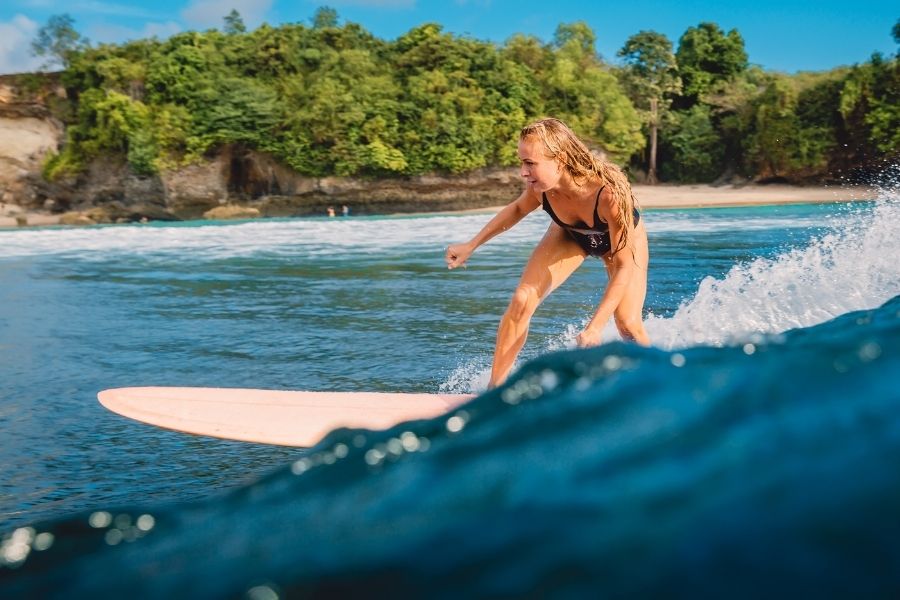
654, 197
708, 196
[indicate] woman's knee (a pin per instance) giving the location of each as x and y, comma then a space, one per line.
524, 302
631, 328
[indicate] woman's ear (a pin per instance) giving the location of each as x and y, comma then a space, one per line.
561, 160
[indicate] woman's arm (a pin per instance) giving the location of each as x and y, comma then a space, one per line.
514, 212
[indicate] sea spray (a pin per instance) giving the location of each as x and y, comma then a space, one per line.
852, 267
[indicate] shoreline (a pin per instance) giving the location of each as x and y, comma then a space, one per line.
674, 197
648, 196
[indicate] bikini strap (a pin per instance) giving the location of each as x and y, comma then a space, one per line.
597, 219
549, 208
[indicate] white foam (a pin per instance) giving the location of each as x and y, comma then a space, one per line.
854, 267
318, 237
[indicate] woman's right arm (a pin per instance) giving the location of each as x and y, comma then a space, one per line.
514, 212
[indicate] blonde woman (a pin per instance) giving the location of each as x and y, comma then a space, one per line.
593, 213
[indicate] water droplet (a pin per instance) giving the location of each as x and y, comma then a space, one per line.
455, 424
612, 363
122, 521
146, 522
549, 380
869, 352
410, 441
395, 447
113, 536
374, 457
42, 541
262, 592
100, 519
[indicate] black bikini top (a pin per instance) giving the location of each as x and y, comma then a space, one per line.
599, 226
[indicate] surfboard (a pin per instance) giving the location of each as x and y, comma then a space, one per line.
285, 418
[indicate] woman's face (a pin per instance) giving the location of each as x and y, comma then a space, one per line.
539, 171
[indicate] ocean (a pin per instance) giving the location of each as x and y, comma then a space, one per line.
752, 449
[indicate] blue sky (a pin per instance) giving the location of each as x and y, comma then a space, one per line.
784, 35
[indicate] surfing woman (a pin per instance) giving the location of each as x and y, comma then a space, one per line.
593, 213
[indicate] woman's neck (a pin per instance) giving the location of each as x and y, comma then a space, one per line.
567, 190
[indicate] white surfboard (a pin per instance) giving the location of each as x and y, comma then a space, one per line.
285, 418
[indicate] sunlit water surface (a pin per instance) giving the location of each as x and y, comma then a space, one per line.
357, 304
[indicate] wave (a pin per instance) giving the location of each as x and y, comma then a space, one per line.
852, 267
616, 470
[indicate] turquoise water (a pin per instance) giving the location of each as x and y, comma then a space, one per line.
760, 367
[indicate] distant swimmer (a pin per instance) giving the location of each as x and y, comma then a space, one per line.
330, 211
593, 213
345, 211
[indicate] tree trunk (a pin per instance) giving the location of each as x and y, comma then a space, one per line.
651, 172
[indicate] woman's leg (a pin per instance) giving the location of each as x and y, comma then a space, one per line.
629, 314
553, 260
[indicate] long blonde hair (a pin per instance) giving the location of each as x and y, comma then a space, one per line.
562, 144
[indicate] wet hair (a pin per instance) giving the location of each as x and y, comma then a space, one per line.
561, 143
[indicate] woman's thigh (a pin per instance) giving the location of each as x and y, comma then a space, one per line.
553, 260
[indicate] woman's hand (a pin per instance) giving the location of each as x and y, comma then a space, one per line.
458, 254
589, 337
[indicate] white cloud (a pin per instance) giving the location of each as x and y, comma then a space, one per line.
210, 13
15, 45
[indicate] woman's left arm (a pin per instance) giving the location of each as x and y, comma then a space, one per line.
622, 270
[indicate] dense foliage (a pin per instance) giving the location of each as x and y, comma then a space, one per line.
333, 99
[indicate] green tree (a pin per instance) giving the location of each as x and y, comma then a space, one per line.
706, 55
582, 91
578, 34
58, 41
780, 144
324, 17
694, 146
651, 76
234, 24
869, 106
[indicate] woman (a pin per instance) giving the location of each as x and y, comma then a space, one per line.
593, 214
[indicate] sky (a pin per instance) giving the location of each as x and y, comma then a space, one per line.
779, 35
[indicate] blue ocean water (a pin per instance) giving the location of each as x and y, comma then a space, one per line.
753, 448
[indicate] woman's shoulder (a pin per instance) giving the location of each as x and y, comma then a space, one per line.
613, 198
529, 198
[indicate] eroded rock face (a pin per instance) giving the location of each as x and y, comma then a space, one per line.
194, 189
25, 142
